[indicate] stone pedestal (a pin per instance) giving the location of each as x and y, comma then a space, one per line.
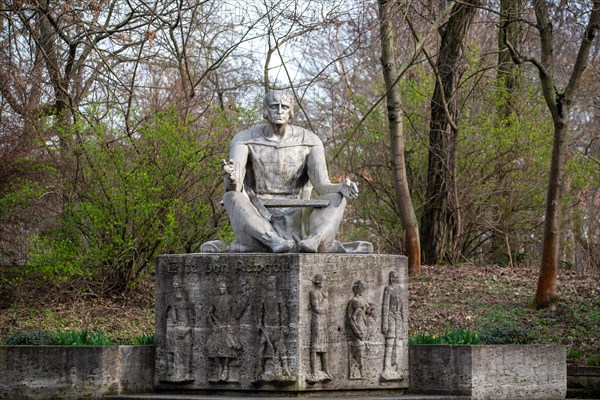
281, 322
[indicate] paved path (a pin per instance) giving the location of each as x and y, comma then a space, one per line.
163, 396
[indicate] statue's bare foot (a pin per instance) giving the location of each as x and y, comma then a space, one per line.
277, 244
283, 246
310, 245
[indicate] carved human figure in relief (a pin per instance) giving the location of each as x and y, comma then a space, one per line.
282, 163
392, 327
273, 330
359, 316
223, 344
319, 306
179, 340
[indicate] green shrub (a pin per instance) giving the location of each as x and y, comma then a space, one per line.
593, 361
423, 338
82, 338
457, 336
461, 336
71, 338
139, 195
505, 335
574, 353
144, 340
35, 338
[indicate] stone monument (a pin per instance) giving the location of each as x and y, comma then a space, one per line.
303, 311
283, 322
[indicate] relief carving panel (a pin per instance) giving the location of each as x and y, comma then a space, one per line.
281, 322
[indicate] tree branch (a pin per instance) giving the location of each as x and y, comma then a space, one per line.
584, 51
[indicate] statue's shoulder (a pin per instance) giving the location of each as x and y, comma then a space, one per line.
248, 135
306, 137
254, 135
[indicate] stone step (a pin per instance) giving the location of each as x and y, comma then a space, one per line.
312, 396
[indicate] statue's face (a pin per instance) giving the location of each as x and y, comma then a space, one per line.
318, 281
222, 288
278, 110
179, 294
394, 278
359, 288
271, 283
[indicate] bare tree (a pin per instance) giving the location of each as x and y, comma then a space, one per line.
560, 102
394, 108
440, 221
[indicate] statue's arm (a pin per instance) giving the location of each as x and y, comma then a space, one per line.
318, 173
316, 302
352, 315
234, 170
385, 310
319, 176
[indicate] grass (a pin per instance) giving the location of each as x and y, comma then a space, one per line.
593, 361
70, 338
457, 336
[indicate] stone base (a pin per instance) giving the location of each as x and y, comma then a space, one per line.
501, 372
262, 322
74, 372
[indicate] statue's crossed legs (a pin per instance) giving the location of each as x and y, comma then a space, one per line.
312, 229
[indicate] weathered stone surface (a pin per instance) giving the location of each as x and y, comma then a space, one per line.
70, 372
260, 321
490, 372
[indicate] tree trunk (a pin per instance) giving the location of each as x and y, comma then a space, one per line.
508, 72
546, 288
440, 221
394, 107
508, 86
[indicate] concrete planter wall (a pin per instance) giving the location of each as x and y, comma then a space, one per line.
489, 372
73, 372
583, 382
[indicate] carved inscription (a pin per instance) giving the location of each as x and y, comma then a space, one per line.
175, 267
258, 268
359, 318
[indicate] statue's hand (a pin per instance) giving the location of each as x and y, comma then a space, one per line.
349, 189
229, 171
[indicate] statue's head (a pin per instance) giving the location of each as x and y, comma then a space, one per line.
394, 277
318, 279
359, 287
278, 107
271, 282
179, 292
222, 287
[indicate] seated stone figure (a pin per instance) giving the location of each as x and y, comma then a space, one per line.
269, 179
